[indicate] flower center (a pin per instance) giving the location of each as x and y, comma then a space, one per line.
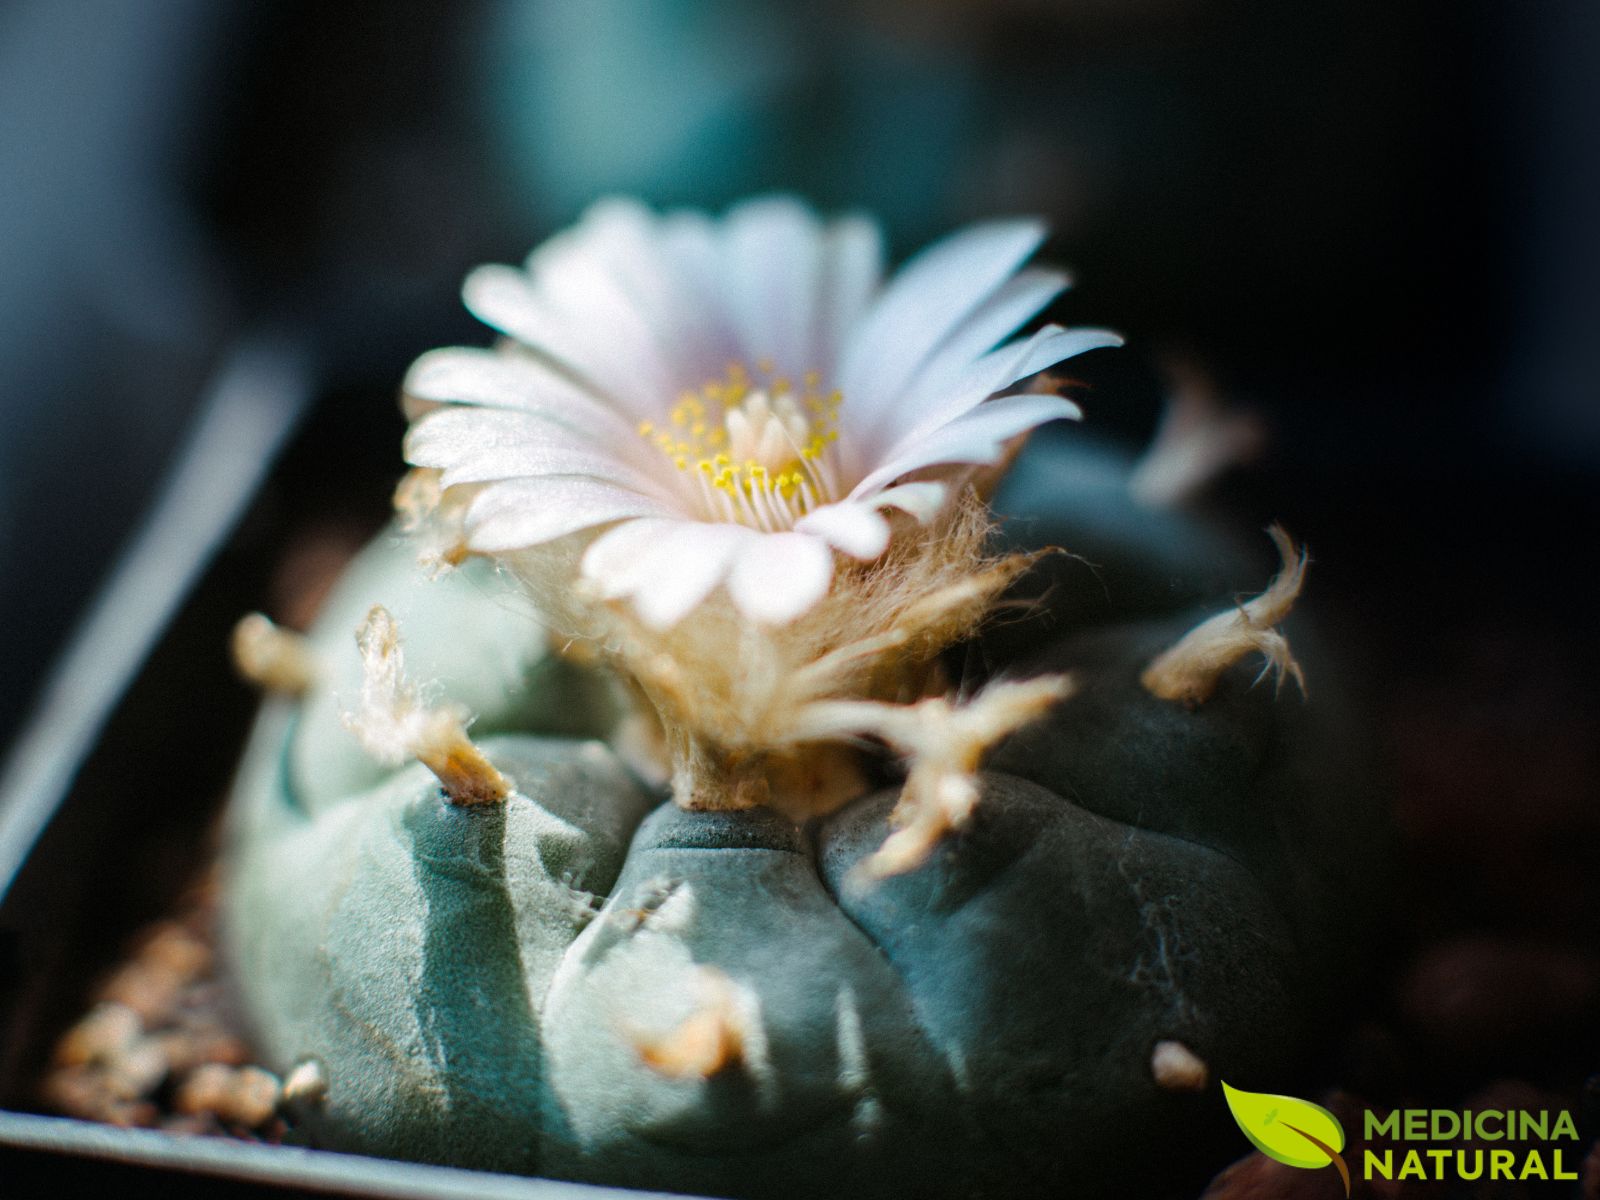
759, 453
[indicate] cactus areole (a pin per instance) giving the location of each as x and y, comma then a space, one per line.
717, 780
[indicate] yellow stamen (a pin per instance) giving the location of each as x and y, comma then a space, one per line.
761, 445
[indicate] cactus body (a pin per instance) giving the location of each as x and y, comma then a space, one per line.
505, 987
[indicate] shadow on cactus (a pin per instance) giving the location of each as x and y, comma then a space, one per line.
821, 824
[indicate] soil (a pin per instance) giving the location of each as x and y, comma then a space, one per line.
159, 1048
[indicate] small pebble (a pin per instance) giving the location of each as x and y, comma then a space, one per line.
162, 1016
107, 1031
82, 1092
253, 1099
246, 1096
306, 1083
177, 951
1178, 1068
148, 989
136, 1072
204, 1090
187, 1049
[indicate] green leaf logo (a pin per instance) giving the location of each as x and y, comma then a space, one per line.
1295, 1132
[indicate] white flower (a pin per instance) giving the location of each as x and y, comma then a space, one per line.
734, 402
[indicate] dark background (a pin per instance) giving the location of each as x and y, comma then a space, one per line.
1374, 220
1376, 223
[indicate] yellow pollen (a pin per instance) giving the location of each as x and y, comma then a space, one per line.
758, 441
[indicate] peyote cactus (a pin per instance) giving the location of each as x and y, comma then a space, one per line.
734, 889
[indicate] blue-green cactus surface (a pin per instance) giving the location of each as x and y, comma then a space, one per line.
480, 985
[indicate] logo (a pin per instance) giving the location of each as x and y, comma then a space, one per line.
1294, 1132
1423, 1144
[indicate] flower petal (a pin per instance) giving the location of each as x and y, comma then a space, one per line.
931, 295
777, 576
624, 242
922, 500
994, 372
688, 241
978, 437
484, 445
685, 567
517, 513
610, 322
857, 529
1013, 304
665, 567
852, 269
771, 259
596, 334
1051, 345
611, 559
498, 379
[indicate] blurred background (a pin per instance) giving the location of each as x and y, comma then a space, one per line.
1374, 223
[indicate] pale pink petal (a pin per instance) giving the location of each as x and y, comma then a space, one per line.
852, 268
857, 529
626, 244
688, 242
1014, 303
922, 499
994, 372
777, 576
771, 260
480, 446
611, 558
603, 342
665, 567
498, 379
930, 296
580, 272
611, 321
614, 237
517, 513
978, 437
1052, 345
682, 568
